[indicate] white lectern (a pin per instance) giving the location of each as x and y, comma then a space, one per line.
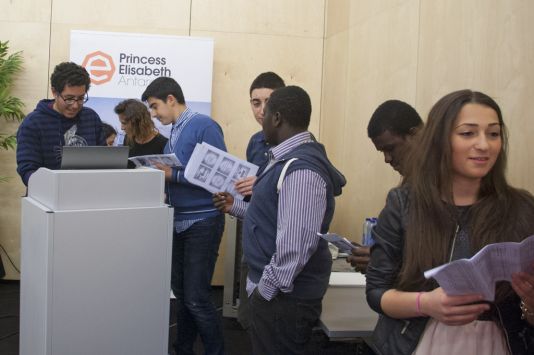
96, 263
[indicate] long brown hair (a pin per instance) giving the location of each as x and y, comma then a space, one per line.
136, 113
498, 215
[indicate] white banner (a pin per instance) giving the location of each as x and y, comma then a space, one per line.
121, 65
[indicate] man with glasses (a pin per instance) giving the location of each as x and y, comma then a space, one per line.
57, 122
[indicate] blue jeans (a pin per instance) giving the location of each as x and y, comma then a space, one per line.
194, 253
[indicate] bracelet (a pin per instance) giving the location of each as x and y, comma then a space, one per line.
525, 312
418, 303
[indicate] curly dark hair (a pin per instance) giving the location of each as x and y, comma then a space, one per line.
395, 116
136, 113
69, 74
293, 103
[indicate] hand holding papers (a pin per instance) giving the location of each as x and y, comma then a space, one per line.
152, 160
494, 262
340, 242
217, 171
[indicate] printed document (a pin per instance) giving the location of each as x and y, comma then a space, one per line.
343, 244
216, 170
153, 159
494, 262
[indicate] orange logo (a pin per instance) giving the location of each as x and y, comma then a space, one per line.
100, 67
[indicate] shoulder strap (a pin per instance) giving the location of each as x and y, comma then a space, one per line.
283, 174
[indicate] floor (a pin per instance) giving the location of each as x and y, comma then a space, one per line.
236, 340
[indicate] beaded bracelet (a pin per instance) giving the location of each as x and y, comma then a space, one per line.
525, 312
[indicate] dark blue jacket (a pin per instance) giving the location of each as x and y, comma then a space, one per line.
258, 149
41, 136
259, 240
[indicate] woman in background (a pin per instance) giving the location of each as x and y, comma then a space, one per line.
456, 201
142, 136
109, 133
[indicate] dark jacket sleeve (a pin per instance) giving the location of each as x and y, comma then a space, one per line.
29, 157
386, 253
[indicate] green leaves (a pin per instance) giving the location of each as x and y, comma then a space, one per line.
9, 66
10, 107
8, 142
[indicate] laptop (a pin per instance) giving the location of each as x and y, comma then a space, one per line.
94, 157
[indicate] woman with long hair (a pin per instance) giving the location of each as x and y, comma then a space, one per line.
455, 201
142, 136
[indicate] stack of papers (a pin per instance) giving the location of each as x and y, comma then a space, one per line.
342, 243
494, 262
216, 170
153, 159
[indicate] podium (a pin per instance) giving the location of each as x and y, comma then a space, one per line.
96, 262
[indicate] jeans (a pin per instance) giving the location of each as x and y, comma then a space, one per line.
283, 325
194, 253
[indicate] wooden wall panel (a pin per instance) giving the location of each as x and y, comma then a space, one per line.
158, 17
239, 59
485, 46
375, 59
299, 18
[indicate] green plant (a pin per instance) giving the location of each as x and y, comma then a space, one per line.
10, 107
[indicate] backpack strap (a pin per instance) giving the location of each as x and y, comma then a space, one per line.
283, 174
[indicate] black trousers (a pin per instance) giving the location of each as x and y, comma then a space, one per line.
282, 325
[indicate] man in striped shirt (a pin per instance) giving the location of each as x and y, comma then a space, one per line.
292, 200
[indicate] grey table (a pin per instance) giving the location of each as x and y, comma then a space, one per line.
346, 313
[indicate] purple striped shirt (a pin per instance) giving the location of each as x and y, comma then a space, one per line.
301, 209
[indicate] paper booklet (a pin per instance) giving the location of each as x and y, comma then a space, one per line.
216, 170
153, 159
343, 244
494, 262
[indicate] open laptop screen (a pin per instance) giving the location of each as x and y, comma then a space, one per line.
94, 157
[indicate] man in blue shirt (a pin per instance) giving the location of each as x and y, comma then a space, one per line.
198, 225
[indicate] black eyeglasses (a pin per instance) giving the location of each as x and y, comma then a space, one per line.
71, 100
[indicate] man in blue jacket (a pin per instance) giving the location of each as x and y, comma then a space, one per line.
198, 225
292, 200
60, 121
